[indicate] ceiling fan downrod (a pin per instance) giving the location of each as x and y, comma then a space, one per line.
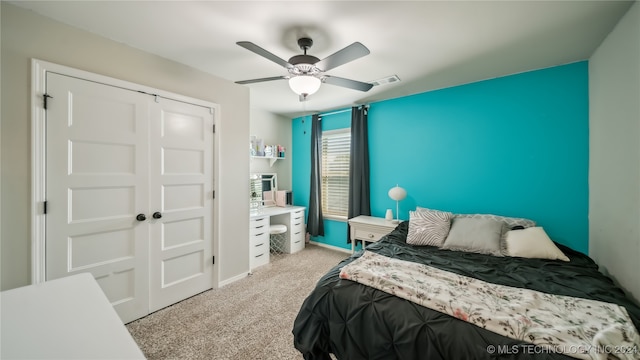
305, 43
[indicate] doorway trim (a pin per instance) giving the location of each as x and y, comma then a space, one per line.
39, 70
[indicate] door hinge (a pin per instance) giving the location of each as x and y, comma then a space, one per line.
214, 194
213, 259
44, 208
214, 128
46, 100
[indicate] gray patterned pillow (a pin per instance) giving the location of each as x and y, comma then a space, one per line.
428, 227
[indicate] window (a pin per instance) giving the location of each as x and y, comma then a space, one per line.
335, 173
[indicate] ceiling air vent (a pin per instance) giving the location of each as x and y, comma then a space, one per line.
386, 80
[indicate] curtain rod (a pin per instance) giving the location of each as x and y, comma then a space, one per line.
340, 111
335, 112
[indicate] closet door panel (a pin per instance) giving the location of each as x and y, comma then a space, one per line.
181, 190
97, 182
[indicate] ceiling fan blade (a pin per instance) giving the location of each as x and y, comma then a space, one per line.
261, 80
341, 57
264, 53
351, 84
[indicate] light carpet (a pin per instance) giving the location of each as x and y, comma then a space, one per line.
249, 319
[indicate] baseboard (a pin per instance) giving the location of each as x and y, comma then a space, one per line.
232, 279
348, 251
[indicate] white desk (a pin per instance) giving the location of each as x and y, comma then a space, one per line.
67, 318
275, 210
259, 222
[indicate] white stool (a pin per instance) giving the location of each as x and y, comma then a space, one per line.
277, 238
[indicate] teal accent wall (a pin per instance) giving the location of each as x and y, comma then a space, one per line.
515, 146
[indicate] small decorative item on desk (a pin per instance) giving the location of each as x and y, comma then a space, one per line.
281, 198
389, 215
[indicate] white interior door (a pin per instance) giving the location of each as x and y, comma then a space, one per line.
97, 183
116, 157
181, 192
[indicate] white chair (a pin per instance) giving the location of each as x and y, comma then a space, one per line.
277, 239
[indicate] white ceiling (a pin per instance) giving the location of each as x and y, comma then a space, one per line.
427, 44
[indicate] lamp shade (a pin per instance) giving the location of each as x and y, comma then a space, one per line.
304, 84
397, 193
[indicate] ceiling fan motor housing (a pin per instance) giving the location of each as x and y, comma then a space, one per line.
303, 59
303, 64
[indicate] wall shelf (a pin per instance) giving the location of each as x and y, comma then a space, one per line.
272, 159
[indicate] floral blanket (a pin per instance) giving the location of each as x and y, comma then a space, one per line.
580, 328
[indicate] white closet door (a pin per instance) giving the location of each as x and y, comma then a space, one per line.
97, 183
181, 192
129, 193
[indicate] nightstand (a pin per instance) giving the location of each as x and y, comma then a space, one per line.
368, 229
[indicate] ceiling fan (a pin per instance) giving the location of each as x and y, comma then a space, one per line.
307, 72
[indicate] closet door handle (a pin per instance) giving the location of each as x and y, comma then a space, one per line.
157, 215
141, 217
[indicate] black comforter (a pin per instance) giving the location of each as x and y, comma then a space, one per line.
354, 321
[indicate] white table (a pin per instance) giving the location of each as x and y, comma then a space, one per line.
275, 210
369, 229
67, 318
259, 222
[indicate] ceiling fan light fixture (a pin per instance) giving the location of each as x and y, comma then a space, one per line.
304, 84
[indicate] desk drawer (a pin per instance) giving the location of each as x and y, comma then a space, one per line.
297, 222
297, 231
259, 260
297, 244
258, 225
297, 225
297, 215
259, 248
259, 234
258, 237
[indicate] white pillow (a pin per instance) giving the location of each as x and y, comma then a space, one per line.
533, 242
428, 227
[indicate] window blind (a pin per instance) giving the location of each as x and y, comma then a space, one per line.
335, 172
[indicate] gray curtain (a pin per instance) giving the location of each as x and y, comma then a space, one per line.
359, 193
315, 224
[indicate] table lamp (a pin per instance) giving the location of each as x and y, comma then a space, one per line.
397, 193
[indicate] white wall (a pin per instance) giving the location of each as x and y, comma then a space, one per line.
26, 35
614, 165
274, 129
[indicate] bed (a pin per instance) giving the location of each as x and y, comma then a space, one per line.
354, 321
